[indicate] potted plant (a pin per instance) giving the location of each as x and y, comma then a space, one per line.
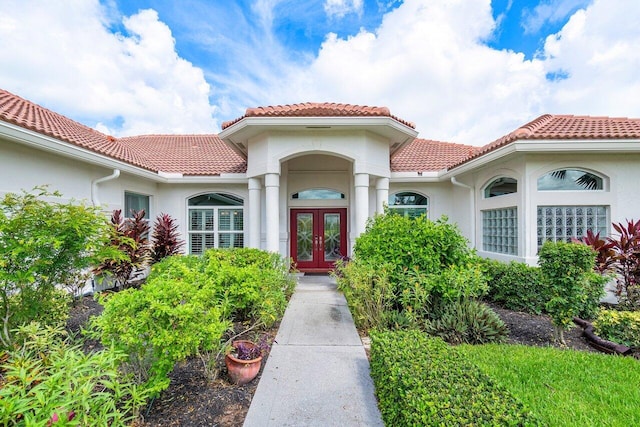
244, 359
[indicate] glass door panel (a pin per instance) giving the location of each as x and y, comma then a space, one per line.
332, 237
304, 237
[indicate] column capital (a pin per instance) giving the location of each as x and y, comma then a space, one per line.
361, 180
272, 180
382, 183
255, 184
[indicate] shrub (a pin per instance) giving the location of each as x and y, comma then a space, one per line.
166, 240
622, 327
169, 318
43, 245
467, 321
129, 248
50, 380
516, 286
368, 292
627, 263
186, 305
422, 381
567, 274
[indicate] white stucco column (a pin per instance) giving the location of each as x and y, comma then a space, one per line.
361, 182
255, 187
382, 193
272, 193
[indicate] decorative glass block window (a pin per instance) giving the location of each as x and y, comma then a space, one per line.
318, 194
408, 204
216, 220
563, 223
135, 202
500, 230
570, 180
500, 187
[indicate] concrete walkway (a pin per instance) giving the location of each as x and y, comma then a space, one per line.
317, 373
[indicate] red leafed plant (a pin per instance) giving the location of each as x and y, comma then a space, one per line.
627, 262
166, 239
605, 257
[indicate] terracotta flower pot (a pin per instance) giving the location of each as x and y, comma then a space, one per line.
242, 371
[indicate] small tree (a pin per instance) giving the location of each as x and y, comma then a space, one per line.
43, 245
166, 241
567, 275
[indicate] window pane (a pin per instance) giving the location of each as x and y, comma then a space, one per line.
318, 194
408, 212
501, 186
571, 180
135, 202
564, 223
407, 198
215, 227
215, 199
500, 231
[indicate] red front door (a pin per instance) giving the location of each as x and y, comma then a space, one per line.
318, 238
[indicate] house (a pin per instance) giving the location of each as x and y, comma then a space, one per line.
303, 179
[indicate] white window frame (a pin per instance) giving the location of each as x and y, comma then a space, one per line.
405, 210
127, 208
215, 232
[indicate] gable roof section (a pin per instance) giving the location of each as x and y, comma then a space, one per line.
186, 154
192, 155
564, 127
423, 155
315, 109
26, 114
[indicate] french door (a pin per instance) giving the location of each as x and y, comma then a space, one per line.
318, 238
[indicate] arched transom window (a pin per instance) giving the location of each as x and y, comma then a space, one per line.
409, 204
215, 221
570, 180
318, 194
500, 187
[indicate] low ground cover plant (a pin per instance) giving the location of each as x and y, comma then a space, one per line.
49, 380
565, 387
622, 327
187, 304
422, 381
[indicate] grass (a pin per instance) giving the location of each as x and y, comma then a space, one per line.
565, 387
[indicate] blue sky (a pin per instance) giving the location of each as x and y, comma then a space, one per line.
464, 71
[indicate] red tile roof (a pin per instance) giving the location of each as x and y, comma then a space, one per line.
314, 109
187, 154
558, 127
21, 112
423, 155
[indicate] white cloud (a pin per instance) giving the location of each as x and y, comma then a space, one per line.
66, 59
549, 11
428, 64
598, 50
340, 8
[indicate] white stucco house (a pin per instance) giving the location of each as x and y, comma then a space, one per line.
302, 179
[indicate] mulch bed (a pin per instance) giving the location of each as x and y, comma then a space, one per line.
194, 400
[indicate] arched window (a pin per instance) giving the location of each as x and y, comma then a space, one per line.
570, 180
318, 194
500, 187
409, 204
216, 220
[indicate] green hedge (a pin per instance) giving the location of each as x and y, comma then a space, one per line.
515, 285
422, 381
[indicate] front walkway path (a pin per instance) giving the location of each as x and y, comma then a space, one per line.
317, 373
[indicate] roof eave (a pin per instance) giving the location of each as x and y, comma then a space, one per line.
548, 146
238, 134
40, 141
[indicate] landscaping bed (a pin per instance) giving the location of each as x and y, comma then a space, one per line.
192, 400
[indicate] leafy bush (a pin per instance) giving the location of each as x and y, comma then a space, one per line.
571, 284
422, 381
622, 327
516, 286
187, 304
412, 243
50, 380
43, 245
170, 317
467, 321
368, 292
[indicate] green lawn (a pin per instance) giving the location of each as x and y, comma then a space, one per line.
565, 387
